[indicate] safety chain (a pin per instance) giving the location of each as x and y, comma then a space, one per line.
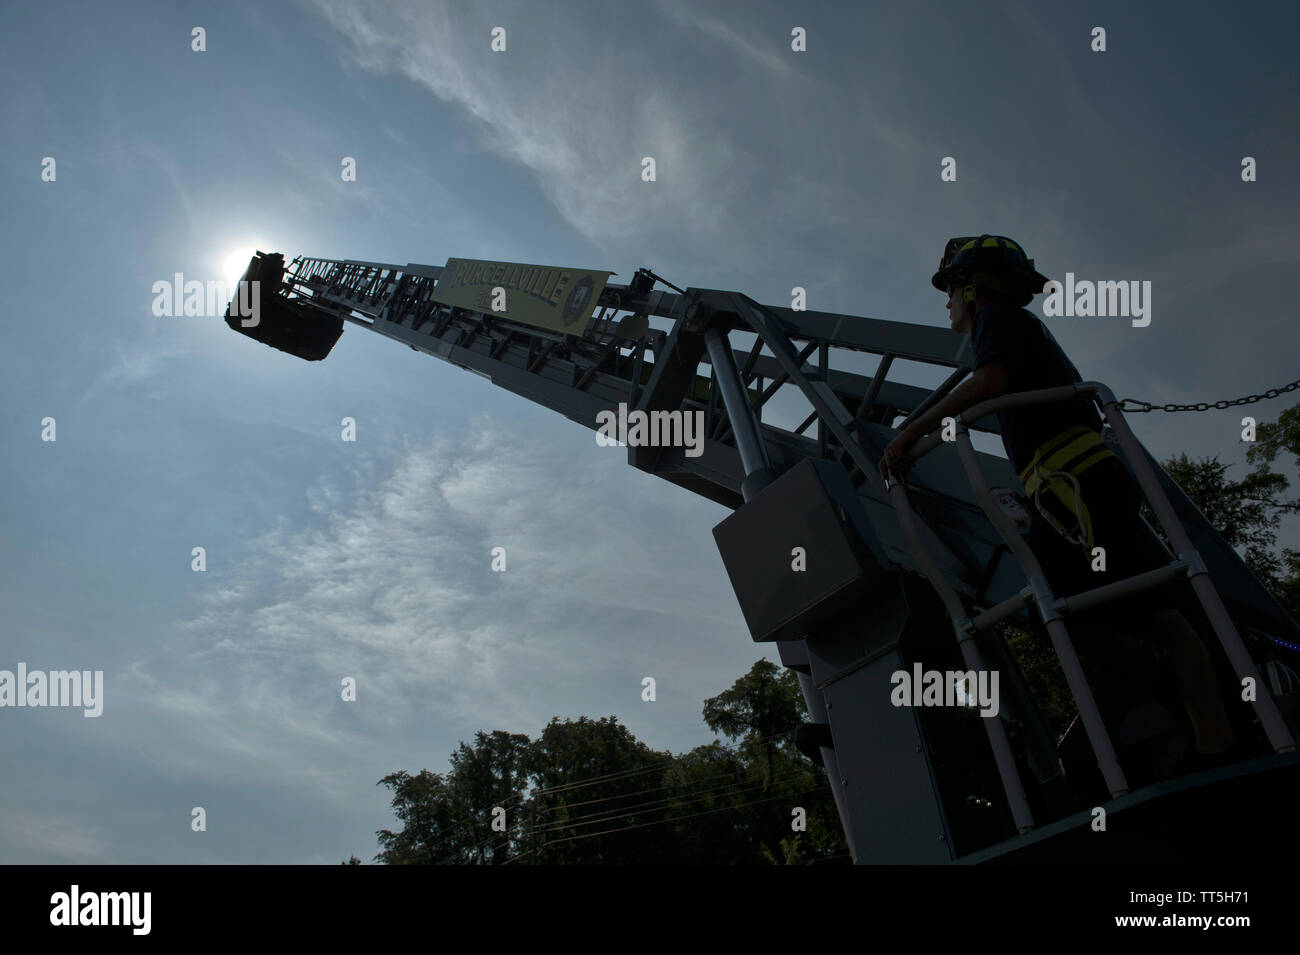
1205, 405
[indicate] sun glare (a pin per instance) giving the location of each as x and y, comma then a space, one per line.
235, 261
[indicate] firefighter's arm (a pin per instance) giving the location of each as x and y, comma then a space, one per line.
987, 381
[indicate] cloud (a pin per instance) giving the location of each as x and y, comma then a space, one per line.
392, 584
130, 369
124, 156
51, 837
582, 126
731, 38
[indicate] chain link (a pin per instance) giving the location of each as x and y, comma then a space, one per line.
1205, 405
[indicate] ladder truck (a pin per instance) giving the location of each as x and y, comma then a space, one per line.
901, 575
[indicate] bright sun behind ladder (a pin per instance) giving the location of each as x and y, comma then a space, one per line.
236, 261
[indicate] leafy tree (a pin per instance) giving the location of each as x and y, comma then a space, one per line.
1272, 438
485, 777
763, 704
706, 792
598, 795
449, 818
423, 804
791, 853
586, 791
762, 709
1245, 512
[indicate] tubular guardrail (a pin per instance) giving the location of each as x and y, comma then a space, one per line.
1051, 608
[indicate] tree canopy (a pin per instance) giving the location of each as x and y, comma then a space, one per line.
588, 792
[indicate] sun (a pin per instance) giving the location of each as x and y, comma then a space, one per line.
235, 261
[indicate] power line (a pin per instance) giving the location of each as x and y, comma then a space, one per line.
733, 749
694, 782
689, 794
689, 797
646, 825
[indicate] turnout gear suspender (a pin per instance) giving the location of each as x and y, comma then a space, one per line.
1056, 467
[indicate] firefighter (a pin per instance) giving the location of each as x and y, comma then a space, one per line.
1084, 495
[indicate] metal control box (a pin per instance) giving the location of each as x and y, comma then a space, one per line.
795, 556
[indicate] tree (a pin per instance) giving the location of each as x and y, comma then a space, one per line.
423, 803
1245, 513
449, 819
763, 709
587, 791
598, 795
764, 704
706, 792
1272, 438
487, 782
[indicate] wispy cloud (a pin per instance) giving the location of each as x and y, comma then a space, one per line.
126, 156
730, 37
582, 125
392, 584
53, 837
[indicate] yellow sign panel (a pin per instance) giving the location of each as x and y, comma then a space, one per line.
561, 300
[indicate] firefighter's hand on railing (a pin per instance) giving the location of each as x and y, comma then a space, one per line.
896, 455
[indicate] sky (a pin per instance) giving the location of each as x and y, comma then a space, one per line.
371, 559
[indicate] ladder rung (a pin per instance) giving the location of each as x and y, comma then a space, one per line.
1121, 588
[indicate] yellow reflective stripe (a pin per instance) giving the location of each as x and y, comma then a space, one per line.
1061, 460
1035, 481
990, 243
1074, 458
1101, 455
1058, 441
1051, 446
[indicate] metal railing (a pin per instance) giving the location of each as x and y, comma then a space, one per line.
1052, 608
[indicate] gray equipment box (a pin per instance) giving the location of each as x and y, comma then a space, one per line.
812, 506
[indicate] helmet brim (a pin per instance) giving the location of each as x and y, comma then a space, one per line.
1033, 283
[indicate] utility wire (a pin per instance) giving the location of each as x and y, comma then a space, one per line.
690, 793
687, 798
646, 825
608, 777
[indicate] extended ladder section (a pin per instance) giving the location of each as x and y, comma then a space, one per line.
856, 582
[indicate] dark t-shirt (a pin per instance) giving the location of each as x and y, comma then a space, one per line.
1018, 340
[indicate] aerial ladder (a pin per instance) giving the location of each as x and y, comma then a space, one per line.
902, 575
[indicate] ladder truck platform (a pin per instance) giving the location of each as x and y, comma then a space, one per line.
910, 575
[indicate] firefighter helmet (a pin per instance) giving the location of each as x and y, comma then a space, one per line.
1000, 260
